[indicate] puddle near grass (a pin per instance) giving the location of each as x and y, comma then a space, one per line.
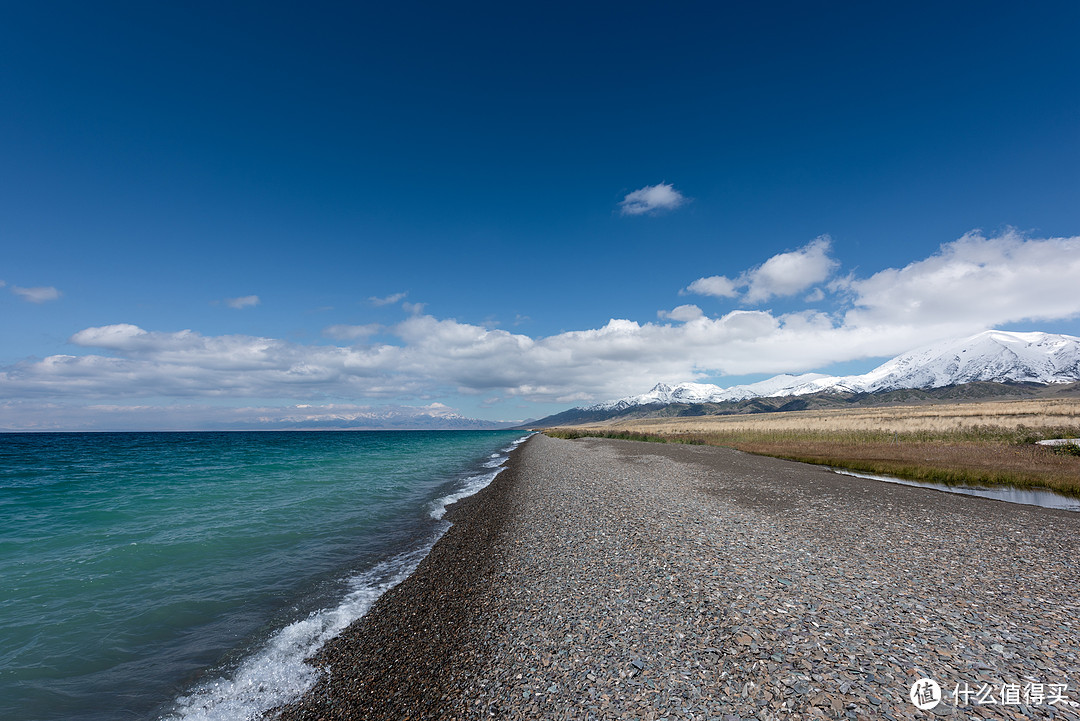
1045, 499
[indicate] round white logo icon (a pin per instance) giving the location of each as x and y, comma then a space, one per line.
925, 694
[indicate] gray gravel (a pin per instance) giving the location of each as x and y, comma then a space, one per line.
650, 581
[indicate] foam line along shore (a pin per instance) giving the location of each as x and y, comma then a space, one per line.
420, 648
279, 672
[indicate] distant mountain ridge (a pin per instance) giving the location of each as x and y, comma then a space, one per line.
1032, 358
402, 418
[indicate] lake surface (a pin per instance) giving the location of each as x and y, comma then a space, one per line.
187, 575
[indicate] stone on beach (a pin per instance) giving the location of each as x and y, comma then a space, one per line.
611, 579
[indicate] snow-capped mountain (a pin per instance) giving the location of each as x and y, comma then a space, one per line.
990, 356
662, 394
998, 356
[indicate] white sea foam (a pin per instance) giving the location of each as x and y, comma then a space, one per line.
277, 673
495, 461
475, 484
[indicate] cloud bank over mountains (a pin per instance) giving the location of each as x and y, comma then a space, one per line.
968, 285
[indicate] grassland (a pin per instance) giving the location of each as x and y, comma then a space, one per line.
988, 443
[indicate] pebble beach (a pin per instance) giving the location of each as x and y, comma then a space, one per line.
604, 579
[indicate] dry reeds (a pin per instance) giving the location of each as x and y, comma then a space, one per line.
988, 443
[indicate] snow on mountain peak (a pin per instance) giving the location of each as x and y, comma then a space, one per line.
1000, 356
993, 355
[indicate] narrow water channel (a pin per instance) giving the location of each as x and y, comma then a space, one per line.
1045, 499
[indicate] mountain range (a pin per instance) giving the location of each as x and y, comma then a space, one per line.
991, 357
402, 418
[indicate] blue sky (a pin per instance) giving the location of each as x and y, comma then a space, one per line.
227, 212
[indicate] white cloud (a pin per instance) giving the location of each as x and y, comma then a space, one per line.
40, 294
245, 301
413, 308
716, 285
681, 313
784, 274
388, 300
969, 285
651, 199
790, 273
122, 336
29, 415
351, 332
973, 281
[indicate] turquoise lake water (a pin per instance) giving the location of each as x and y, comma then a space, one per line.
187, 575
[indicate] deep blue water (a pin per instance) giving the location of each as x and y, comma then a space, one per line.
149, 575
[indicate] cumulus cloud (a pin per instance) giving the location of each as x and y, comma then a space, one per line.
966, 286
651, 199
39, 294
971, 281
351, 332
244, 301
28, 415
388, 300
790, 273
715, 285
784, 274
121, 337
434, 356
681, 313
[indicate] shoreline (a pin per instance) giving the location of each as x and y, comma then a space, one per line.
630, 580
417, 646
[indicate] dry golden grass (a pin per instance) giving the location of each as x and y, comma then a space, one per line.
990, 443
951, 417
1028, 466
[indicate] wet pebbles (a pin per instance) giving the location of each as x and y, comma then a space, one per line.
601, 579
